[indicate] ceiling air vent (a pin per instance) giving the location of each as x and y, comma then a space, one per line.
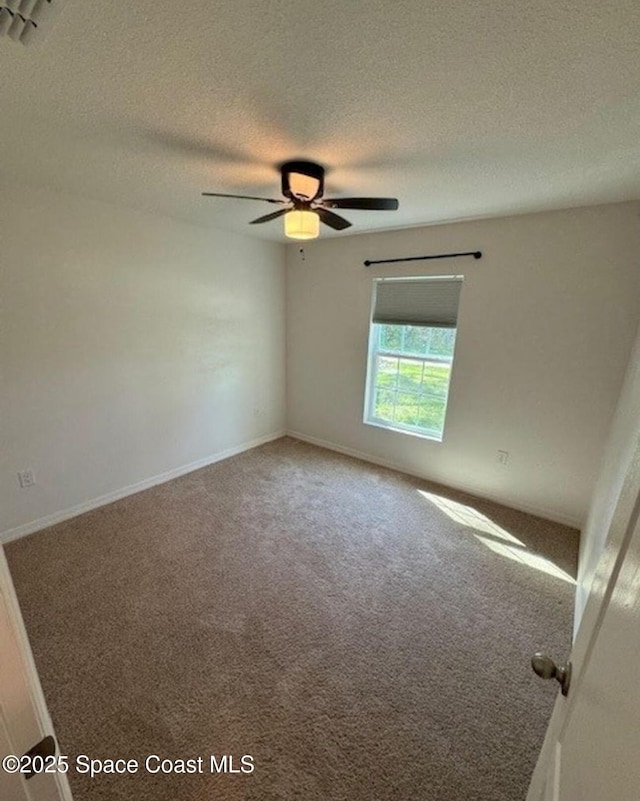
24, 21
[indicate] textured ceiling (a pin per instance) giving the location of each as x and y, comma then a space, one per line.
459, 109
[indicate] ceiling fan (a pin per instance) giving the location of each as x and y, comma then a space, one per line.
305, 207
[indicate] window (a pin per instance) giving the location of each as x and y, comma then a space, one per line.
412, 341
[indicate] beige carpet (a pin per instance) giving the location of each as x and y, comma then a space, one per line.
359, 639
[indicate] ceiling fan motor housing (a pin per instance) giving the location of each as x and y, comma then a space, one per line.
302, 180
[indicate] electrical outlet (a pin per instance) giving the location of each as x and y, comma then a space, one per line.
26, 478
503, 457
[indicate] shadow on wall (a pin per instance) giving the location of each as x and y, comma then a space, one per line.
494, 537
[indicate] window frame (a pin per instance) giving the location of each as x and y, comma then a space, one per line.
375, 351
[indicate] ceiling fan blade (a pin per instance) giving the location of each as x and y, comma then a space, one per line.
243, 197
366, 203
333, 220
268, 217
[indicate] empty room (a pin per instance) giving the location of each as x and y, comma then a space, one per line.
319, 401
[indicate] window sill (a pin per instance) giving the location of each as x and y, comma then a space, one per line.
399, 430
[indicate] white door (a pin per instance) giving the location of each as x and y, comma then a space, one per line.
592, 748
24, 720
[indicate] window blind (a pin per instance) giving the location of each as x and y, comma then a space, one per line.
429, 302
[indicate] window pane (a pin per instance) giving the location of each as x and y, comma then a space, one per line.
384, 404
387, 372
410, 375
436, 379
409, 399
408, 408
391, 337
431, 415
416, 339
409, 388
442, 341
408, 415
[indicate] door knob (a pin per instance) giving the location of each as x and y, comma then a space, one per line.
546, 668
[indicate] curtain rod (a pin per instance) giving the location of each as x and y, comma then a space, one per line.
477, 254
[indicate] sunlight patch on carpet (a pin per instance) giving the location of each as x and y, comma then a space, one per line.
498, 536
526, 558
470, 517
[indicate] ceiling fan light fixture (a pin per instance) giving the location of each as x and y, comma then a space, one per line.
301, 224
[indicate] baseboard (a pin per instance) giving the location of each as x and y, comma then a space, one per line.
102, 500
547, 514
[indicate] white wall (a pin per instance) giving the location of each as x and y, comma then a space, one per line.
132, 346
622, 441
129, 346
547, 320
